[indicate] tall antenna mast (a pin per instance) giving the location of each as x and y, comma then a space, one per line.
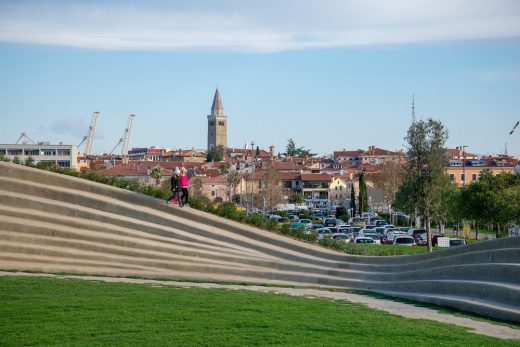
413, 108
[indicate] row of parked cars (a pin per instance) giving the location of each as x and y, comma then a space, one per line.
366, 230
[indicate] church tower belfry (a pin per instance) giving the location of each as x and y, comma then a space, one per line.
217, 123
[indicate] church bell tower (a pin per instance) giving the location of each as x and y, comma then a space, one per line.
217, 124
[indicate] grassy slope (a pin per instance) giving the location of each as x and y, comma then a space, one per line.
38, 311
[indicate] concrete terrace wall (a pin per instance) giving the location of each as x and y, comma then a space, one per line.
55, 223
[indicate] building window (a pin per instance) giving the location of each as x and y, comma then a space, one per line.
336, 188
474, 177
341, 188
211, 123
452, 177
213, 193
48, 152
462, 177
63, 163
221, 123
15, 151
32, 152
64, 152
2, 151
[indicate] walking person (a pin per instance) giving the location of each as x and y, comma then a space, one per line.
175, 187
184, 183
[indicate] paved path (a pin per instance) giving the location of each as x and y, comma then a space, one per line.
393, 307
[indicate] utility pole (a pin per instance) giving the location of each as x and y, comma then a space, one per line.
252, 174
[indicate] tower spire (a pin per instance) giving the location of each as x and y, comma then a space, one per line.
217, 107
413, 108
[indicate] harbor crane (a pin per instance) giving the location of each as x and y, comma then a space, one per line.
125, 139
90, 137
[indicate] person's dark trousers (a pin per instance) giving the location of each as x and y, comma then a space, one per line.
184, 197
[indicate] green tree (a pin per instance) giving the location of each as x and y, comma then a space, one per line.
156, 173
292, 151
296, 198
363, 195
425, 170
16, 160
257, 151
29, 161
491, 199
352, 199
224, 168
216, 153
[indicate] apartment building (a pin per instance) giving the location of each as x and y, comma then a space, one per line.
64, 156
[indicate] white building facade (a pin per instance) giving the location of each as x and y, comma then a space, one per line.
64, 156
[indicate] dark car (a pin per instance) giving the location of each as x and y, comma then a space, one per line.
380, 223
330, 222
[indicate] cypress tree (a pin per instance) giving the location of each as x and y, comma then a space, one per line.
353, 200
363, 195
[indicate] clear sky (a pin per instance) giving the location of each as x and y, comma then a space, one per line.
329, 74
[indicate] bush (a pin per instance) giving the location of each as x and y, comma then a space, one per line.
272, 224
285, 229
256, 219
199, 202
228, 210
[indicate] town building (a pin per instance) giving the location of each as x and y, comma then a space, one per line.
63, 156
372, 156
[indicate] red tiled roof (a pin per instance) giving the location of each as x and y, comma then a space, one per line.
289, 176
316, 177
213, 180
455, 152
348, 153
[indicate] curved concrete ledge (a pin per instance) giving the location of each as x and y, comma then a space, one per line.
56, 223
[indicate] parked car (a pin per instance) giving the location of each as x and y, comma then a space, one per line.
357, 222
404, 241
317, 226
319, 215
341, 237
330, 222
296, 225
380, 223
307, 222
380, 230
366, 240
374, 236
457, 242
283, 220
370, 226
393, 234
293, 217
322, 232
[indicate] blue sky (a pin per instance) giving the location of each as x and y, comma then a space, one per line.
328, 74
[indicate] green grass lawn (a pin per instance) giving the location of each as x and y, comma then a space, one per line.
41, 311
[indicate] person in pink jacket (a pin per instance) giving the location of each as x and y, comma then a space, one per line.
184, 183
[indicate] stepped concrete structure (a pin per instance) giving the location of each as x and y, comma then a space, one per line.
59, 224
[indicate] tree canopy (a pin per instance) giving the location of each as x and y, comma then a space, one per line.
292, 151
